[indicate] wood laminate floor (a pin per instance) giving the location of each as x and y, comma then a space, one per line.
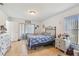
46, 51
19, 48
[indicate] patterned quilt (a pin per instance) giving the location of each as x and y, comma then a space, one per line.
38, 39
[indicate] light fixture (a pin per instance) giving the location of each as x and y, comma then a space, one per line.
32, 12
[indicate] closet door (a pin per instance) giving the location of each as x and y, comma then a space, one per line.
12, 29
71, 27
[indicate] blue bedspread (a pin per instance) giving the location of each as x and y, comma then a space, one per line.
38, 39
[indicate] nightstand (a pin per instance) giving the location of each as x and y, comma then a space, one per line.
62, 44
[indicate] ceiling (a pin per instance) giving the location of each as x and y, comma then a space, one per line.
45, 10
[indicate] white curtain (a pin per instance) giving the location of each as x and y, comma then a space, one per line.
71, 27
29, 28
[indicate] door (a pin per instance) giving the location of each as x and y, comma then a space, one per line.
12, 29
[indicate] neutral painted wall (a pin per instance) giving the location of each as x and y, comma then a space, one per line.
58, 20
3, 18
13, 27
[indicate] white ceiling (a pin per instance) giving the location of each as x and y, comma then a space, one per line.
45, 10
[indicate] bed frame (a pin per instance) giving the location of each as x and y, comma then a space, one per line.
50, 30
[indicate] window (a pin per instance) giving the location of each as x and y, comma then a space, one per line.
29, 28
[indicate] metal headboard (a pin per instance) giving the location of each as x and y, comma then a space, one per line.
51, 30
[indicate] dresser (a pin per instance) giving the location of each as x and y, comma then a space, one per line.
62, 44
5, 43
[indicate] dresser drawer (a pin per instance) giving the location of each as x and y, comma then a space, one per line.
57, 41
63, 48
58, 46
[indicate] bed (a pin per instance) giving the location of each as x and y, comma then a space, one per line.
41, 39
